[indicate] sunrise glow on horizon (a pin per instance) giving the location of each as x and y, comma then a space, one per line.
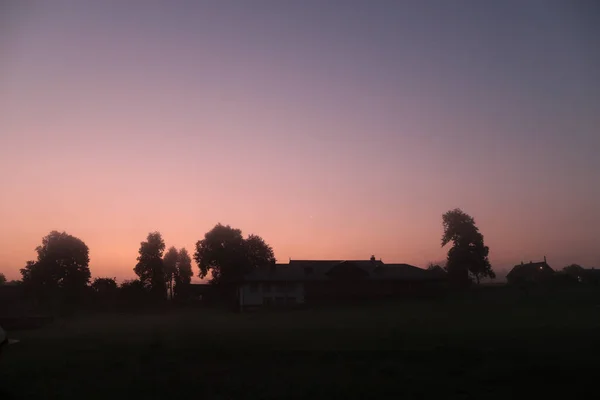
334, 130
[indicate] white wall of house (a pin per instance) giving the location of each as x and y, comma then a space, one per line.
259, 293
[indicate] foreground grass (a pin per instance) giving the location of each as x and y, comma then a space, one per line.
480, 347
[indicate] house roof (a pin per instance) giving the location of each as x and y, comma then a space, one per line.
529, 269
318, 270
403, 272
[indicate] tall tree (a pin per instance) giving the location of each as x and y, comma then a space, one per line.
2, 279
228, 256
150, 267
183, 274
62, 265
257, 252
468, 255
170, 261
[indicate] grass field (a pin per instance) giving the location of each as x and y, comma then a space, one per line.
479, 347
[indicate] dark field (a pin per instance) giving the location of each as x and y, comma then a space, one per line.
483, 345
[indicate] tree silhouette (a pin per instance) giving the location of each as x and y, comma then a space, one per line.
104, 285
183, 274
104, 291
170, 261
2, 279
436, 267
575, 272
133, 293
228, 256
150, 267
468, 255
258, 253
62, 266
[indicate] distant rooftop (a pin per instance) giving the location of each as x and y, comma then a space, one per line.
316, 270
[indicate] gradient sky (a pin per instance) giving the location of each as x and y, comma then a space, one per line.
333, 129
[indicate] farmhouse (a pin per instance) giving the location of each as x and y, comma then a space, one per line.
532, 272
331, 281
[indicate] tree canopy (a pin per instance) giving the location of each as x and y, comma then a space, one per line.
436, 267
184, 273
149, 268
170, 261
468, 256
228, 256
62, 264
104, 285
178, 270
2, 279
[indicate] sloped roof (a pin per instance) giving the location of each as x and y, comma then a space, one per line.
529, 269
314, 270
402, 272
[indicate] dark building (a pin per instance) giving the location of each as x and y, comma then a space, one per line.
334, 281
530, 273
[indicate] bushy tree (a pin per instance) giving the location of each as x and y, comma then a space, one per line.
104, 291
183, 273
575, 272
436, 267
104, 285
468, 256
2, 279
132, 293
170, 261
228, 256
62, 266
149, 268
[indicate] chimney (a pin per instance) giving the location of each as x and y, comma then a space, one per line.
544, 259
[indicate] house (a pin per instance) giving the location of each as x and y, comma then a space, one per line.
332, 281
530, 273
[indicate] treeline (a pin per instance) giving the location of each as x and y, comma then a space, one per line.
61, 276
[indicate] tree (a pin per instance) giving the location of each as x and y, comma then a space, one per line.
436, 267
150, 267
105, 291
575, 272
104, 285
183, 274
228, 256
170, 261
62, 266
133, 293
468, 255
2, 279
257, 252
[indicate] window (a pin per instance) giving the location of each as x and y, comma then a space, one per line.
254, 287
267, 301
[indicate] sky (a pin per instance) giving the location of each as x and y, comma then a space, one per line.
333, 129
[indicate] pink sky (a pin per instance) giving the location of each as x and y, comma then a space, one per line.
332, 132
